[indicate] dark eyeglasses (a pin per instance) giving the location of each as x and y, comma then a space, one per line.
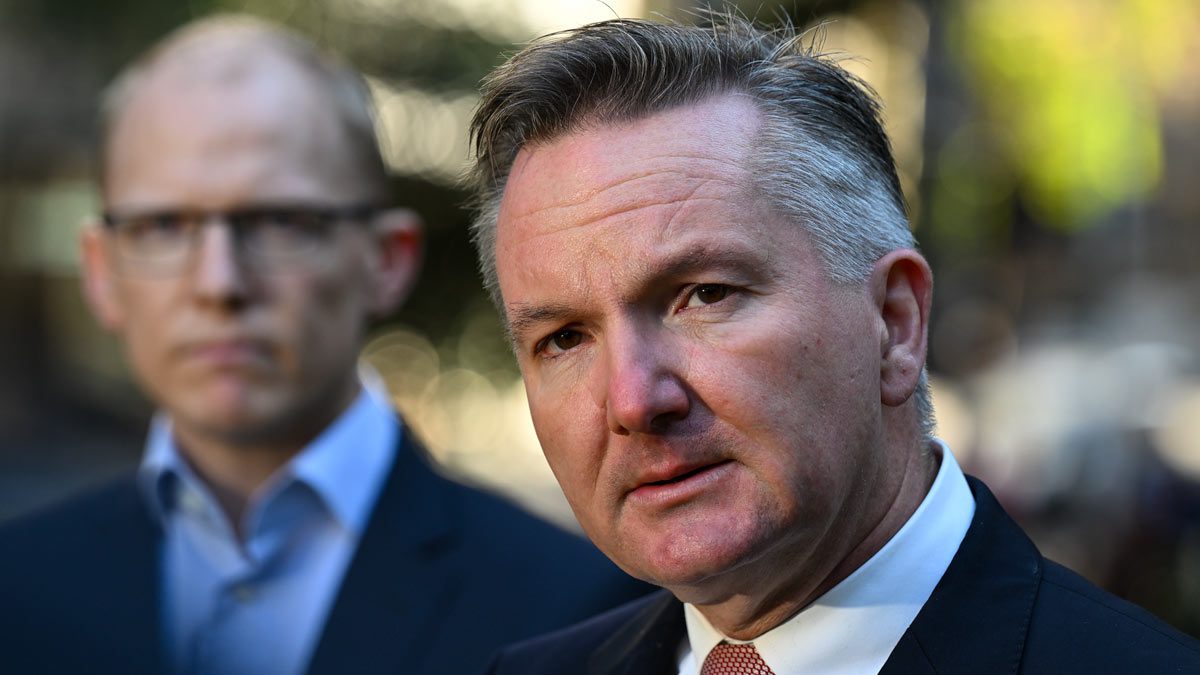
164, 240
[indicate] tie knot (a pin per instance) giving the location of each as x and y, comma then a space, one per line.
730, 659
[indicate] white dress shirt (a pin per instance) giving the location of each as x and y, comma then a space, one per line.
854, 626
259, 605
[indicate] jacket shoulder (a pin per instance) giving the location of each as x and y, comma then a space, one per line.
568, 650
488, 522
1002, 607
64, 549
74, 523
509, 531
532, 568
1076, 625
80, 574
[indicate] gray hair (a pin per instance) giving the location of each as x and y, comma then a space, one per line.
821, 156
341, 84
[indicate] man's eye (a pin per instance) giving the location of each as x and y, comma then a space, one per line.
707, 294
279, 232
561, 341
268, 219
155, 225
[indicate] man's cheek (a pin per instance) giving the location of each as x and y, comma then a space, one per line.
144, 352
553, 447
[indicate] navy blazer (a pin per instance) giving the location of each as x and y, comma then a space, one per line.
443, 576
1000, 608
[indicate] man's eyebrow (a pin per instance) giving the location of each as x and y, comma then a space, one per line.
524, 317
725, 257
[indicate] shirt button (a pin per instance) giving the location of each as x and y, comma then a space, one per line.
244, 593
191, 502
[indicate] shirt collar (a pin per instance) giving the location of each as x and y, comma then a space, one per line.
161, 466
854, 626
345, 466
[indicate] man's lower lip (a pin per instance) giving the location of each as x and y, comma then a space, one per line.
681, 490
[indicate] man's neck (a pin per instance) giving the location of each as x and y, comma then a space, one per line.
745, 616
235, 465
233, 473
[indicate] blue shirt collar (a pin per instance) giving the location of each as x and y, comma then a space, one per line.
345, 466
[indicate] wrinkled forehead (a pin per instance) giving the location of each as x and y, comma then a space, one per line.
618, 165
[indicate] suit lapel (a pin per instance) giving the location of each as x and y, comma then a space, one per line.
389, 603
647, 644
122, 591
144, 605
977, 618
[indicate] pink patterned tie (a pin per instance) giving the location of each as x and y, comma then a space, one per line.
727, 659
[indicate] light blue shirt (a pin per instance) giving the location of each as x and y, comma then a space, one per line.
259, 606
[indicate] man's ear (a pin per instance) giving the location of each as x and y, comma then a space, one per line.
902, 288
399, 244
98, 276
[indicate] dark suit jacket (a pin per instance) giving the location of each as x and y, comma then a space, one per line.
1000, 608
443, 576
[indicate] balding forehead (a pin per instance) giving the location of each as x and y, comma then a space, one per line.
225, 60
235, 85
217, 59
225, 52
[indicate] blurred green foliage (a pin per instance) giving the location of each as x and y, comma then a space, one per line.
1070, 93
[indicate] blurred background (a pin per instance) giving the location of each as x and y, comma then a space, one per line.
1050, 152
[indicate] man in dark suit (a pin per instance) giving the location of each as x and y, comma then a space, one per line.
699, 243
283, 520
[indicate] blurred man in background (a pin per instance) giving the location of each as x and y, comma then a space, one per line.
283, 519
699, 242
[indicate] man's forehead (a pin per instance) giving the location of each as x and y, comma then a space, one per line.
704, 139
194, 106
221, 51
224, 63
217, 68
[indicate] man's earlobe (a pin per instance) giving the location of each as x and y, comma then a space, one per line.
399, 242
97, 276
902, 285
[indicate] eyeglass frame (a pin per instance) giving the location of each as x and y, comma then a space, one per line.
324, 218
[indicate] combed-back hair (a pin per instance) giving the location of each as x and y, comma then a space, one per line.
821, 157
342, 86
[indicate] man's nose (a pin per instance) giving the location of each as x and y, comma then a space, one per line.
217, 271
641, 387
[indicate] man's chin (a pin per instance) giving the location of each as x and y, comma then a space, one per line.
237, 422
693, 568
686, 543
